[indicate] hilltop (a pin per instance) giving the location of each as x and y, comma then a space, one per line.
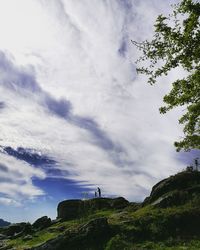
168, 219
4, 223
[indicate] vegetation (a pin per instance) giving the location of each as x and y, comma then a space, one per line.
176, 45
38, 238
149, 227
169, 219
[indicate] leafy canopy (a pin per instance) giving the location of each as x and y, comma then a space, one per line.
176, 43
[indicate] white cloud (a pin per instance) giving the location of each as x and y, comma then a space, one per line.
9, 202
16, 180
70, 53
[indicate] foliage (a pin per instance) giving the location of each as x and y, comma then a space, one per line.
141, 229
41, 236
176, 44
38, 239
117, 243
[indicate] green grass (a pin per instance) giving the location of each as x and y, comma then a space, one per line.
43, 235
55, 230
119, 243
134, 230
101, 213
38, 239
191, 245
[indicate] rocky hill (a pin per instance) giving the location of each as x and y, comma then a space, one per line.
4, 223
168, 219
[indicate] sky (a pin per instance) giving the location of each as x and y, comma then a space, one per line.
74, 114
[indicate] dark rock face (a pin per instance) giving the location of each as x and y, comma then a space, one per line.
71, 209
175, 189
42, 222
92, 235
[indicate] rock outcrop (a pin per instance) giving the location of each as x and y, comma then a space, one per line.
91, 235
71, 209
42, 222
175, 190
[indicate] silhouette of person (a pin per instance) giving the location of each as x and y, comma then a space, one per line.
196, 162
95, 194
99, 191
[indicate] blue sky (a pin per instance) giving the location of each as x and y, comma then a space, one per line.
74, 115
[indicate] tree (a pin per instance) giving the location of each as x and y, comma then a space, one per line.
176, 43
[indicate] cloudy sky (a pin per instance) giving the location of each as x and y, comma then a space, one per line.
74, 115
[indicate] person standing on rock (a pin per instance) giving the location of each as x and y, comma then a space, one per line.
99, 191
196, 163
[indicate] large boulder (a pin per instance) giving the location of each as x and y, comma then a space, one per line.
69, 209
42, 222
175, 190
72, 209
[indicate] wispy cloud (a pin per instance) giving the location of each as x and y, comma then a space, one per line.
16, 180
69, 91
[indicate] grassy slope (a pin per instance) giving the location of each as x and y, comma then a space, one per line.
54, 231
42, 236
136, 230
